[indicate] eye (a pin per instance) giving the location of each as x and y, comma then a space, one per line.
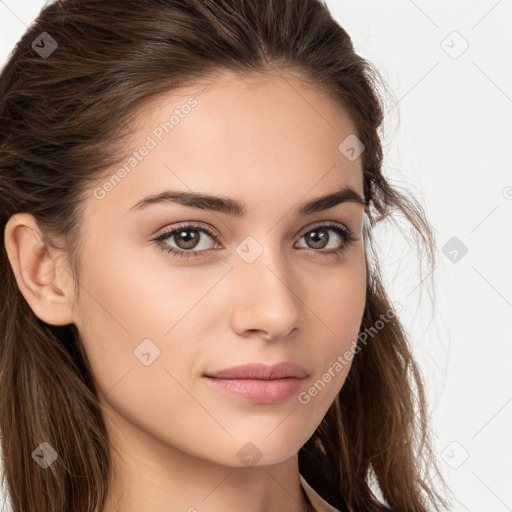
186, 237
319, 238
189, 238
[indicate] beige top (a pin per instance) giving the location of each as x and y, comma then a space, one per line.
319, 504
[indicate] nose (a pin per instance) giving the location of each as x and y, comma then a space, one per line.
265, 297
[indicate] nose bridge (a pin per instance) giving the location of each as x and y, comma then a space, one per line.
266, 297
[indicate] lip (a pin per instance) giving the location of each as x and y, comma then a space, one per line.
259, 391
260, 383
261, 371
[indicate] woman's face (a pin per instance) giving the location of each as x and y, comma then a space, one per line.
265, 285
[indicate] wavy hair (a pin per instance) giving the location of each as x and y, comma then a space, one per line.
64, 120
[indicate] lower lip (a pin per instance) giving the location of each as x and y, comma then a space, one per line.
259, 391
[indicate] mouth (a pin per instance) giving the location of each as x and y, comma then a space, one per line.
258, 382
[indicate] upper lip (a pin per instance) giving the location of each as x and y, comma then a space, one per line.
261, 371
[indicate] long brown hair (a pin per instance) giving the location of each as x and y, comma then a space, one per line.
63, 121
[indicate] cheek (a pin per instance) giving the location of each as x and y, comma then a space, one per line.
130, 306
337, 301
337, 297
132, 314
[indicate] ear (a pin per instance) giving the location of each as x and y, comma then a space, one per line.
40, 271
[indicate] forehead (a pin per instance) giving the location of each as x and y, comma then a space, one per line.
251, 102
236, 135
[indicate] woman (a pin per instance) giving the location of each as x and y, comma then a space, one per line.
193, 313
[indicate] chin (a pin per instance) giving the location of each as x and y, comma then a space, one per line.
263, 451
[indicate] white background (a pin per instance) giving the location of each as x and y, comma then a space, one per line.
448, 136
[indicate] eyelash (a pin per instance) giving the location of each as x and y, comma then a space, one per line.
345, 234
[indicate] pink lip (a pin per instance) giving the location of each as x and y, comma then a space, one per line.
260, 371
259, 391
260, 383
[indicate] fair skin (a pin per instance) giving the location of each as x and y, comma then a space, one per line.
271, 144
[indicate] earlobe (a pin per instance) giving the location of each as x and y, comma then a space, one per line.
41, 278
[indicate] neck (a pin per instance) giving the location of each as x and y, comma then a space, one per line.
148, 474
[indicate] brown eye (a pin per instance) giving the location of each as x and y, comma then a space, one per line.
319, 238
186, 240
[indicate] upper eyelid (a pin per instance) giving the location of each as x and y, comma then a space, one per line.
213, 232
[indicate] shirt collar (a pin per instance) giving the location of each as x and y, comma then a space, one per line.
319, 504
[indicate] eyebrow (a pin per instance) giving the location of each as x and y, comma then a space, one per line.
238, 209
